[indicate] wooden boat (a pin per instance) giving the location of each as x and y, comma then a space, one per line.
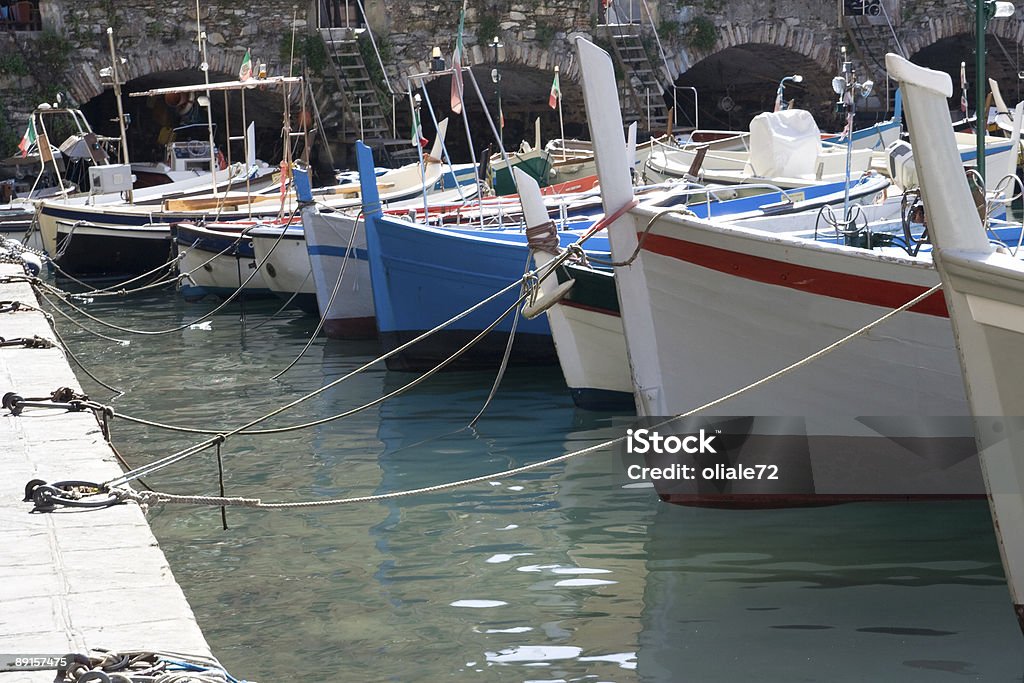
422, 275
334, 246
218, 259
984, 288
574, 159
588, 331
784, 148
80, 234
710, 308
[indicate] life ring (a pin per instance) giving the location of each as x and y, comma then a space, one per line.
185, 103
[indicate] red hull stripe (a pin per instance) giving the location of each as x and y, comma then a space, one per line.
864, 290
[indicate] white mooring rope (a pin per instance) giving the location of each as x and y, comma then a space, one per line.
149, 497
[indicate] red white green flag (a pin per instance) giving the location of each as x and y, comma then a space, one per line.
245, 73
29, 138
556, 92
457, 68
417, 131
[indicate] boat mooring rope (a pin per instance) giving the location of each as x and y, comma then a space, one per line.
64, 297
330, 302
61, 344
124, 493
220, 437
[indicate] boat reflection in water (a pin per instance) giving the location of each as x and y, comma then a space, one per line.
886, 592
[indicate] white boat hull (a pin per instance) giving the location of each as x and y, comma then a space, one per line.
286, 269
711, 309
345, 302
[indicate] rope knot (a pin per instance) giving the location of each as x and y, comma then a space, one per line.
543, 237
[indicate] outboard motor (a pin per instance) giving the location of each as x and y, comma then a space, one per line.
902, 168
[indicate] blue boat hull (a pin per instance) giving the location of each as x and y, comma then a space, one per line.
423, 276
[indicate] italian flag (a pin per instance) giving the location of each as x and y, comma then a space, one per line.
556, 92
417, 131
29, 138
456, 100
245, 73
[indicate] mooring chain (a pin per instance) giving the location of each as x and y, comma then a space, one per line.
125, 666
33, 342
64, 398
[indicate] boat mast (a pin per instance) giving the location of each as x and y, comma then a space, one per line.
120, 107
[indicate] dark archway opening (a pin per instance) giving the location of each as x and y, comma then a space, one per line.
740, 82
1004, 61
524, 99
151, 119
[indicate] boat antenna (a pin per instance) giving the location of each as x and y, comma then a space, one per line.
204, 66
115, 74
417, 136
291, 58
848, 89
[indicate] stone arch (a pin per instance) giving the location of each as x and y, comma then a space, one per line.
514, 52
85, 83
814, 45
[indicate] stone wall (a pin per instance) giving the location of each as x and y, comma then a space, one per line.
156, 37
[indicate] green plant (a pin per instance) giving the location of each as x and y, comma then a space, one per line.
309, 49
51, 54
9, 137
701, 34
545, 33
488, 27
154, 29
12, 64
110, 8
373, 65
669, 28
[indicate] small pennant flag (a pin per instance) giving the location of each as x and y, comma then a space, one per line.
245, 73
556, 92
29, 138
457, 68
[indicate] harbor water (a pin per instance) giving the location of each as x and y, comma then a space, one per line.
559, 574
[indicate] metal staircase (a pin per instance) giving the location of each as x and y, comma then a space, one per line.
640, 91
364, 112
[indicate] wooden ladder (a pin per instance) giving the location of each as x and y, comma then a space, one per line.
364, 113
640, 90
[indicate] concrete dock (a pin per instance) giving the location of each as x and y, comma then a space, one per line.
72, 579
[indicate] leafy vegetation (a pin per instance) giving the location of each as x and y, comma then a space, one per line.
309, 50
12, 64
545, 33
488, 27
701, 34
669, 28
8, 136
373, 66
51, 54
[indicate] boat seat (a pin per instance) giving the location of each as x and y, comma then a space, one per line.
784, 143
